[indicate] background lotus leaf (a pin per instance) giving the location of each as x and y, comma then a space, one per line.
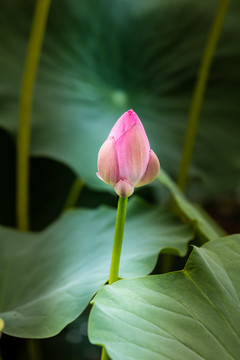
101, 58
48, 278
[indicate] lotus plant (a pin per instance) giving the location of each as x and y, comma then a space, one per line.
125, 161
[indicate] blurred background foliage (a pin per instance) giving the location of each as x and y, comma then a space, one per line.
99, 59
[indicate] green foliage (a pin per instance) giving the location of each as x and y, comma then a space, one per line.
48, 278
191, 314
101, 58
190, 212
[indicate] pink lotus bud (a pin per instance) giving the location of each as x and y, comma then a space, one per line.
125, 159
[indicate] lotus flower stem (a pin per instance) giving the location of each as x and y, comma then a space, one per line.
117, 247
199, 91
118, 237
23, 136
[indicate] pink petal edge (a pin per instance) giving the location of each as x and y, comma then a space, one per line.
152, 170
99, 176
108, 162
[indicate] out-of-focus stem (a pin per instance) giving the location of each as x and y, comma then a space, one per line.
33, 349
199, 91
23, 135
73, 194
104, 355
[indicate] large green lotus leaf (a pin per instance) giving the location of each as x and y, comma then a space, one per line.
48, 278
101, 58
191, 212
191, 314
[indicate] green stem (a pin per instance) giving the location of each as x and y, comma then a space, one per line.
167, 263
23, 136
104, 354
33, 349
199, 91
118, 237
117, 248
73, 194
